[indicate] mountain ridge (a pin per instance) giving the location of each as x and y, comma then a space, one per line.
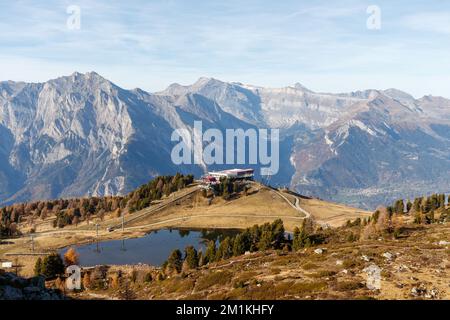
83, 135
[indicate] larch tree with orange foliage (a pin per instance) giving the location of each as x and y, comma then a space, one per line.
71, 257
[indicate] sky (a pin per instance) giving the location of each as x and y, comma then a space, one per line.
325, 45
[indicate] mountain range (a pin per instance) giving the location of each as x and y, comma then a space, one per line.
82, 135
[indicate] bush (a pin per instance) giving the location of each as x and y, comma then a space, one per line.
148, 277
309, 266
52, 266
348, 285
323, 273
219, 278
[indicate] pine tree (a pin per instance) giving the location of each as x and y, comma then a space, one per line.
38, 267
408, 206
296, 242
300, 238
210, 254
52, 266
399, 207
417, 204
239, 246
265, 242
175, 261
191, 257
225, 249
278, 233
255, 234
201, 258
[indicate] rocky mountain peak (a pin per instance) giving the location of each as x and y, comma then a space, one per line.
301, 87
82, 135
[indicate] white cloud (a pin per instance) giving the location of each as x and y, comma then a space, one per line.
152, 44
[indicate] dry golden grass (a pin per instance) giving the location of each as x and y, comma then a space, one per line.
260, 206
331, 213
263, 205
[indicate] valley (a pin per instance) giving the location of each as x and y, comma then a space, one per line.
82, 135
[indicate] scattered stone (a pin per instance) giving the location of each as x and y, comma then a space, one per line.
339, 262
421, 291
320, 251
365, 258
443, 243
434, 293
16, 288
389, 256
402, 268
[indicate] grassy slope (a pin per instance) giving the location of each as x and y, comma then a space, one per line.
336, 274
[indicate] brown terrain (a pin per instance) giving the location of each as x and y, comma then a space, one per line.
413, 265
416, 266
186, 208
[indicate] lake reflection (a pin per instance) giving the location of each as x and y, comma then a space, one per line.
153, 248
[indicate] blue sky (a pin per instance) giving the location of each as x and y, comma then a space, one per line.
325, 45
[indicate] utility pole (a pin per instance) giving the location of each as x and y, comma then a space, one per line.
32, 243
123, 222
96, 228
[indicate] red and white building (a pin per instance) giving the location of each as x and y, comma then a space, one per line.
236, 174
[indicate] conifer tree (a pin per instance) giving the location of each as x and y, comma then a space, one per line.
191, 257
175, 261
210, 254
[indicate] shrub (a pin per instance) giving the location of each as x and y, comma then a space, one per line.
52, 266
219, 278
323, 273
348, 285
309, 266
148, 277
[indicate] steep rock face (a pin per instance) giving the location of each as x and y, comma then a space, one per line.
364, 148
79, 135
82, 135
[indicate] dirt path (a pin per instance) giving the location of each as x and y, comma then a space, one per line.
296, 206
